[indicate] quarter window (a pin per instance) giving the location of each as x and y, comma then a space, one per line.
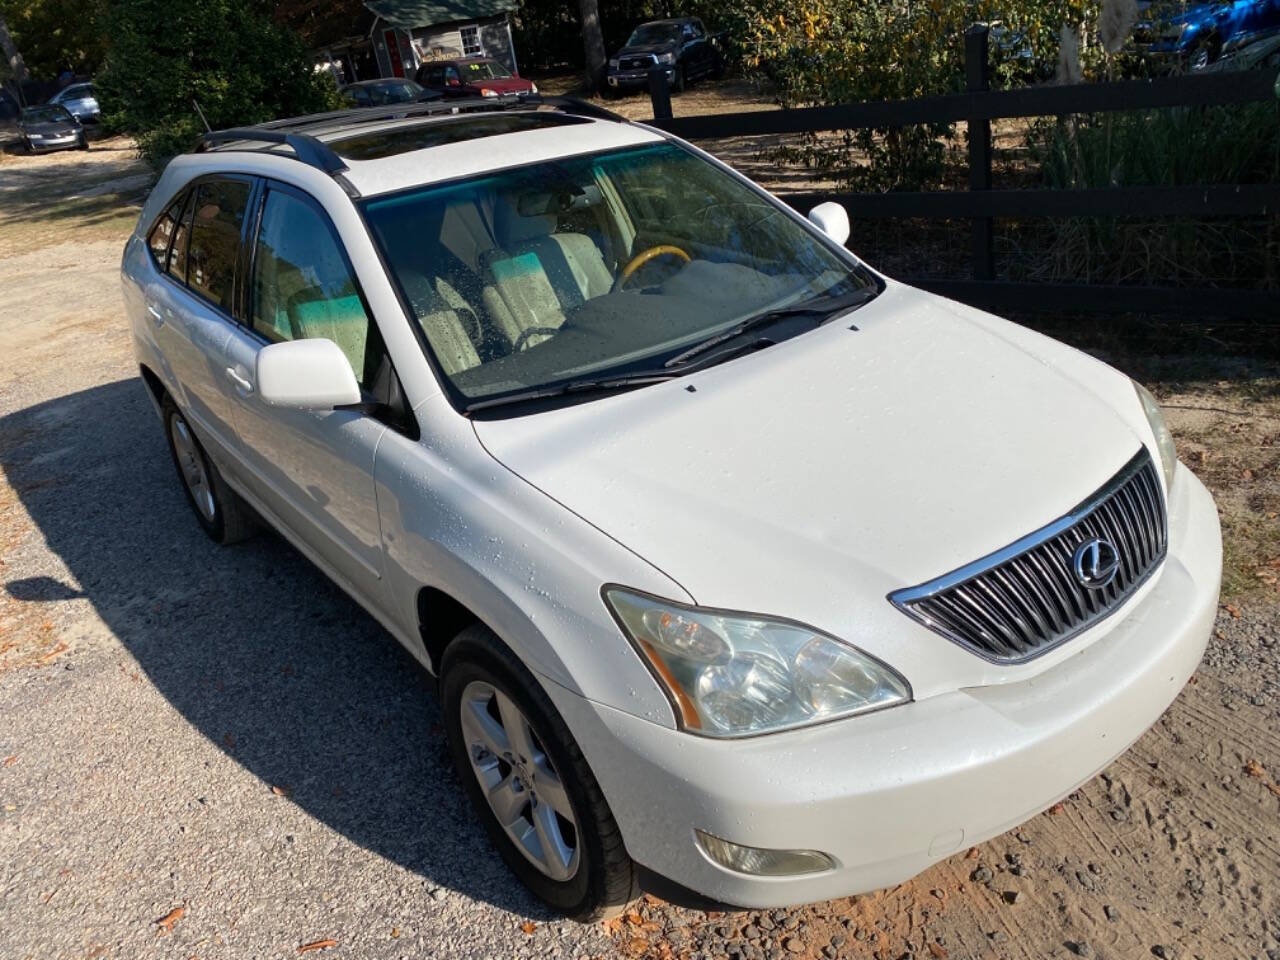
303, 286
162, 232
215, 239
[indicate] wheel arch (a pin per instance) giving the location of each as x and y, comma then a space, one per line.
441, 617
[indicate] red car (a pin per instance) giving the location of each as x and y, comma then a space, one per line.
473, 77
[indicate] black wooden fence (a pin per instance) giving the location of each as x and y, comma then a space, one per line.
978, 106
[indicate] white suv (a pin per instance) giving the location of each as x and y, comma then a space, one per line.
748, 574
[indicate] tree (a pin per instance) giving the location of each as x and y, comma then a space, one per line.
227, 55
15, 67
57, 35
592, 43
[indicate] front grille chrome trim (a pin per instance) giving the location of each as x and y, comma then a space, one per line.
1022, 601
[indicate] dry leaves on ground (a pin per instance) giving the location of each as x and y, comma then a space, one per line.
169, 919
324, 944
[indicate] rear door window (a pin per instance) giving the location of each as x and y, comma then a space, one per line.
216, 228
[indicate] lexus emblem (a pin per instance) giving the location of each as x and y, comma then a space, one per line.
1096, 563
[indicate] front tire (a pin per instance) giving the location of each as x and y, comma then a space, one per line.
677, 80
222, 514
529, 783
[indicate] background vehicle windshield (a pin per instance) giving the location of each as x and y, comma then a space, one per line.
45, 114
596, 265
650, 33
483, 70
400, 92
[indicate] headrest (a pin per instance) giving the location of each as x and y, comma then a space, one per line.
512, 226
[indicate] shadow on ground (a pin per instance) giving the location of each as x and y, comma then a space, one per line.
251, 644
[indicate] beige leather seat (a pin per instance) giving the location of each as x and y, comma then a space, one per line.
444, 317
537, 274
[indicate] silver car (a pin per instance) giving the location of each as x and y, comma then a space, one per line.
81, 100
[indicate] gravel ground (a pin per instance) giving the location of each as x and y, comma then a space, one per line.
213, 753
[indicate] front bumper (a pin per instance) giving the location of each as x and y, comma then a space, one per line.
633, 79
47, 145
889, 793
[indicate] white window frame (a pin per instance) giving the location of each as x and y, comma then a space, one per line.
476, 49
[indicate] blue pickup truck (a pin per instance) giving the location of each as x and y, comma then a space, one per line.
1197, 35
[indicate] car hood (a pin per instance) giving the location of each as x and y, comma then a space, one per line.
55, 129
822, 473
642, 49
503, 84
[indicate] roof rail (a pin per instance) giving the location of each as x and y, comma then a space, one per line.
316, 153
398, 111
307, 149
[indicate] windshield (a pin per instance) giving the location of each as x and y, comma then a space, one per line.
594, 266
384, 93
483, 70
46, 114
651, 33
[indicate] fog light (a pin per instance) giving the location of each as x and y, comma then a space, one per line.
763, 863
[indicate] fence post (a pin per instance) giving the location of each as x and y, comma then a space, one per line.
660, 93
978, 79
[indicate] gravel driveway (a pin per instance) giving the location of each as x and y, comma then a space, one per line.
213, 753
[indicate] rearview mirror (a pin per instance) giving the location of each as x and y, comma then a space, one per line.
306, 375
832, 219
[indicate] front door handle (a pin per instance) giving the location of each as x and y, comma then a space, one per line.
155, 315
241, 383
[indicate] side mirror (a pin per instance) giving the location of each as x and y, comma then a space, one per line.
832, 219
306, 375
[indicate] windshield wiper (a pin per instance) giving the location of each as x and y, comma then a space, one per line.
589, 385
824, 307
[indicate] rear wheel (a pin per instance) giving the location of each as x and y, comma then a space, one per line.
529, 783
1205, 53
223, 515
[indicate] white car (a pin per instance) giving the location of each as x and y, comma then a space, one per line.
748, 574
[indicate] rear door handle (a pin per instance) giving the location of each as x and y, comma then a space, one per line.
155, 315
241, 383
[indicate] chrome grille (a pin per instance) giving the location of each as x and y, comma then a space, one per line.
1026, 599
638, 63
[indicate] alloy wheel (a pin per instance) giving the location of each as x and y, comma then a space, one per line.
521, 784
191, 466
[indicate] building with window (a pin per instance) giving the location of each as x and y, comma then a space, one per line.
408, 33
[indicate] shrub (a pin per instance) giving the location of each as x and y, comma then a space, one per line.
226, 55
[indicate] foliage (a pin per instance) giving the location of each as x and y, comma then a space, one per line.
227, 55
834, 51
57, 35
1176, 147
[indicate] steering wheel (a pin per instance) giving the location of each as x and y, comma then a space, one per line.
528, 332
643, 257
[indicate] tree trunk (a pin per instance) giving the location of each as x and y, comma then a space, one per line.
592, 43
13, 57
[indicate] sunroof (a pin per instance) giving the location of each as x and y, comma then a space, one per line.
436, 133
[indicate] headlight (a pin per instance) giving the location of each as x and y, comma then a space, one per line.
732, 674
486, 92
666, 58
533, 88
613, 64
1164, 439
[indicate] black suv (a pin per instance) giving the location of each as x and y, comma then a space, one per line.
682, 46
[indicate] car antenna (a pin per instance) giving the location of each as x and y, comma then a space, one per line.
207, 128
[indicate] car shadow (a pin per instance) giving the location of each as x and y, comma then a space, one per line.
251, 644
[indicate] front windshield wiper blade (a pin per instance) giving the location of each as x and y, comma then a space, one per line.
824, 307
588, 385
